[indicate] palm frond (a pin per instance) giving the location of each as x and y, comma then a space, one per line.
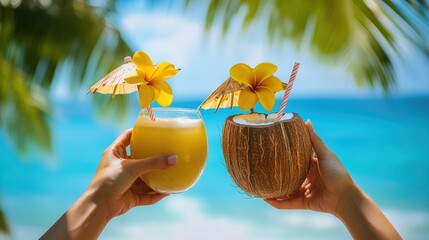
4, 227
25, 110
337, 30
38, 41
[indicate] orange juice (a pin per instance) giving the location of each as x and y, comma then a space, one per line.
178, 135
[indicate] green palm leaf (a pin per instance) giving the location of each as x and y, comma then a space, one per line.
25, 109
4, 228
37, 42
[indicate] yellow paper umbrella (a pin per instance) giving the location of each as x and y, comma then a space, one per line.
226, 95
139, 74
114, 83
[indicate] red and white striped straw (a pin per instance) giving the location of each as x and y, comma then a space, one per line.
149, 110
287, 92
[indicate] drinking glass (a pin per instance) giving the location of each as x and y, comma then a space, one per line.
177, 131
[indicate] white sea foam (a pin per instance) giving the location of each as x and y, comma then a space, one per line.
311, 220
189, 222
188, 218
258, 119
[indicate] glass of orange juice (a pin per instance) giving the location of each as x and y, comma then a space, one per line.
178, 131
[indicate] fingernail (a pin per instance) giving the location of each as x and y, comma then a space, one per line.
172, 160
310, 124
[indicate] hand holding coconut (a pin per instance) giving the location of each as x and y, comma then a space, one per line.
325, 183
269, 155
330, 189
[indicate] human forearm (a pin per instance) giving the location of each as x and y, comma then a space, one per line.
363, 218
84, 220
115, 189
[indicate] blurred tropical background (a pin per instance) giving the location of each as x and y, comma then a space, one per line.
363, 82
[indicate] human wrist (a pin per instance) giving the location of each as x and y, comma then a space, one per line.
94, 196
362, 217
349, 201
87, 217
83, 220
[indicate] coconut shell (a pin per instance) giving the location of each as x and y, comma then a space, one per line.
267, 161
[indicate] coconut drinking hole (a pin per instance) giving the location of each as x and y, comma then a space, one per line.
259, 119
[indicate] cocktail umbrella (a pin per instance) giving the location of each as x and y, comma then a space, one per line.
226, 95
127, 78
114, 83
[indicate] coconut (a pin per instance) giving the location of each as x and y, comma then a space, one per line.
265, 158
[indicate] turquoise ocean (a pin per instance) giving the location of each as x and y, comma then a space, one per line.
383, 142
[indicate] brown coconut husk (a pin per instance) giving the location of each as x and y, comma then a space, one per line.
268, 161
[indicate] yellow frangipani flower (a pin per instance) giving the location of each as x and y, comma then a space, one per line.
152, 80
260, 84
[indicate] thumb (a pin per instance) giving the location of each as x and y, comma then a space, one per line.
319, 146
139, 166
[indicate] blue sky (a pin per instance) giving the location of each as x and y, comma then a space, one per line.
170, 33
